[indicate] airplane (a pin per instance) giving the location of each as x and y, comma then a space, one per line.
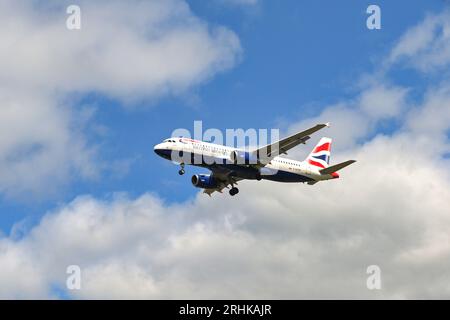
230, 165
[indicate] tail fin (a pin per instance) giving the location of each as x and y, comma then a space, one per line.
320, 156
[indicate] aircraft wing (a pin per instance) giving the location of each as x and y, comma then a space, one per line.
270, 151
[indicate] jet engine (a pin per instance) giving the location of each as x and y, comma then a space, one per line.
204, 181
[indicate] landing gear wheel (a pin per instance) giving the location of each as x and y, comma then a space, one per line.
233, 191
181, 172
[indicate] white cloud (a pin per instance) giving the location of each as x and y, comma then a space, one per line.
381, 102
434, 118
133, 51
144, 48
427, 45
295, 242
40, 143
354, 120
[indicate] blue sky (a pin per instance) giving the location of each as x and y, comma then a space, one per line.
81, 112
298, 57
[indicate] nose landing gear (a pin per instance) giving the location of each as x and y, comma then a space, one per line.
181, 171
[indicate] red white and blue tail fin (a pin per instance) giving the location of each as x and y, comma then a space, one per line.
320, 156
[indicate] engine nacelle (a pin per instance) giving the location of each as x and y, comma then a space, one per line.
204, 181
243, 157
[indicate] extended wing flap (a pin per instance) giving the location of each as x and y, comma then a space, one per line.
211, 191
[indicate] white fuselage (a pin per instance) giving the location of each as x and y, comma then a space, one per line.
281, 167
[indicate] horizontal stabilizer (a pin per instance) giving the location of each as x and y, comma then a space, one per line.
336, 167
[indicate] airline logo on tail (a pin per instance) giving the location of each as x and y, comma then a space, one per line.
320, 156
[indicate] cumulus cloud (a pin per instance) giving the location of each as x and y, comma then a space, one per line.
292, 241
131, 51
427, 45
434, 118
295, 242
40, 142
145, 48
363, 114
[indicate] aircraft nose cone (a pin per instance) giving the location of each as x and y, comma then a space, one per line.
157, 149
161, 151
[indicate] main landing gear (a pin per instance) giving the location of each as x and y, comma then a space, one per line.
181, 172
234, 191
